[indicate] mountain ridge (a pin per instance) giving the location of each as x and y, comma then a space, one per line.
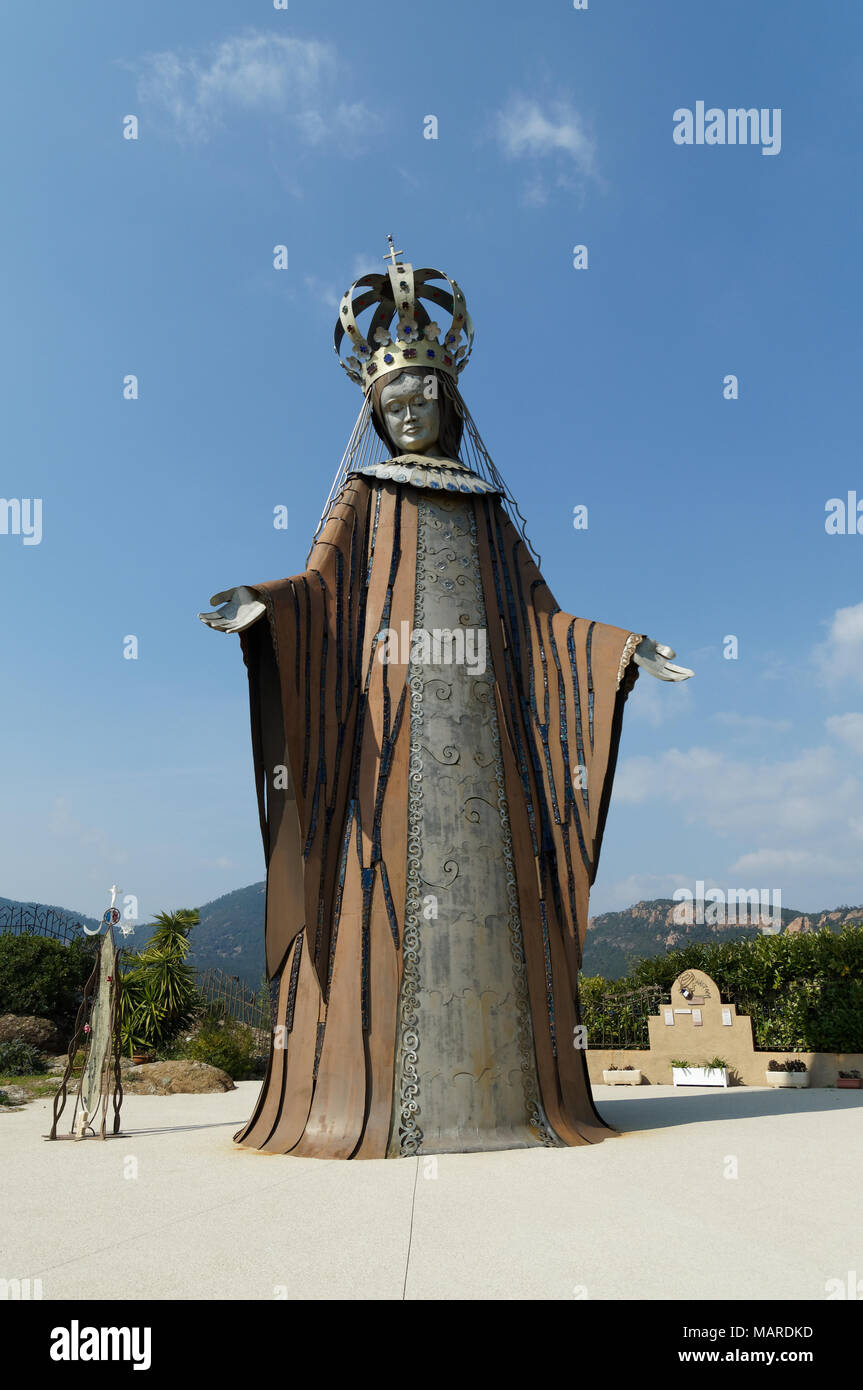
230, 935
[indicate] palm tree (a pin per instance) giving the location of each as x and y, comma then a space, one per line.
172, 930
159, 987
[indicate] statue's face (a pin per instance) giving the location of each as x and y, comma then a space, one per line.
413, 422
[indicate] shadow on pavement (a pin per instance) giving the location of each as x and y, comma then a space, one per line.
737, 1103
180, 1129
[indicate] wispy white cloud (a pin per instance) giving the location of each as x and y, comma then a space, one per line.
525, 129
839, 659
367, 263
326, 292
196, 93
553, 139
763, 863
556, 133
813, 792
658, 702
793, 819
536, 192
848, 728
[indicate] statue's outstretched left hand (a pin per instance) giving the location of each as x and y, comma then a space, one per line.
656, 659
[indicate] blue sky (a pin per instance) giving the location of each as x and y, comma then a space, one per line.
602, 387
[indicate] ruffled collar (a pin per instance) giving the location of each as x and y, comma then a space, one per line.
436, 475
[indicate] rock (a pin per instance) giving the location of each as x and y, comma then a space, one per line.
16, 1094
39, 1032
799, 924
176, 1078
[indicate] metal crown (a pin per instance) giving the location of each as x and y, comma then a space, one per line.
417, 341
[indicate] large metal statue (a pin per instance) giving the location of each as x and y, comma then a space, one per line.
435, 743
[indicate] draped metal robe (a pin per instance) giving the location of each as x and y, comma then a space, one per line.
336, 836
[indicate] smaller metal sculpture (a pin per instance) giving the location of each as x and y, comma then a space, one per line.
98, 1024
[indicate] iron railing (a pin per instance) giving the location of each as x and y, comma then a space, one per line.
619, 1020
30, 919
239, 1002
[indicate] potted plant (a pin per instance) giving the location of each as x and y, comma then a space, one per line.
850, 1080
622, 1076
713, 1072
791, 1072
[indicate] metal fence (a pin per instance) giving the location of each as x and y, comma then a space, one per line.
246, 1005
29, 919
620, 1020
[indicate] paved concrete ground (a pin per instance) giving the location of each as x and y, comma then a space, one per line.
174, 1210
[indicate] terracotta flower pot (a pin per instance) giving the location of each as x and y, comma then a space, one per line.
850, 1083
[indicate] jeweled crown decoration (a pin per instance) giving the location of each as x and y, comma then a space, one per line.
417, 340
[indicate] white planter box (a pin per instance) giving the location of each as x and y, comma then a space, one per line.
622, 1078
699, 1076
787, 1078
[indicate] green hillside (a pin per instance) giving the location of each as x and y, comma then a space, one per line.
231, 933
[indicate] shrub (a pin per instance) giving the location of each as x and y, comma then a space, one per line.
803, 992
20, 1059
222, 1042
44, 977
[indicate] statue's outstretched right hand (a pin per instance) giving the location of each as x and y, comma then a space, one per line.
240, 608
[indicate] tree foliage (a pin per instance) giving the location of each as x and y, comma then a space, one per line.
803, 991
44, 977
